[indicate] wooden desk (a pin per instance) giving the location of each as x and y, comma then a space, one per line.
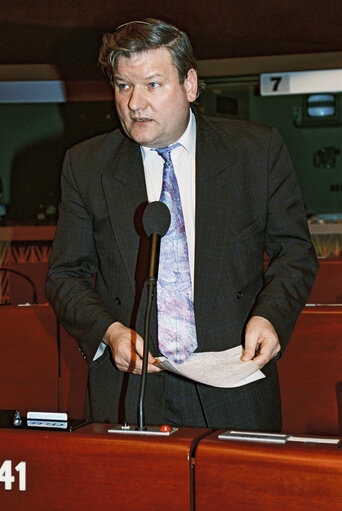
328, 284
28, 358
38, 371
244, 476
309, 372
90, 469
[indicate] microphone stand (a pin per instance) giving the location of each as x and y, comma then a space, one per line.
151, 282
156, 221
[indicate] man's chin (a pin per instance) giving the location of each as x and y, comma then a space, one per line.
142, 135
143, 140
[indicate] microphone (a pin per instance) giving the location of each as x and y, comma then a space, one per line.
156, 222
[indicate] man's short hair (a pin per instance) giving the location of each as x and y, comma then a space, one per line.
139, 36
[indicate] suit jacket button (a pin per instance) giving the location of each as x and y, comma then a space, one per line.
239, 295
117, 301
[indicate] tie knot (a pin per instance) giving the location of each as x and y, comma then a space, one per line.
165, 152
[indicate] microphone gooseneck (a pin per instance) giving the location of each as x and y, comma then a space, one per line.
156, 221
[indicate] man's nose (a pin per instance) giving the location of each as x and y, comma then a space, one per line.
137, 100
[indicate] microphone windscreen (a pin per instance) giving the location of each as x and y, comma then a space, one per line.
156, 218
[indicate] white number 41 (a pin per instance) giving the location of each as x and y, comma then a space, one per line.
7, 477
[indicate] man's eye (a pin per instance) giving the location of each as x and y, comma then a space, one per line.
153, 85
122, 86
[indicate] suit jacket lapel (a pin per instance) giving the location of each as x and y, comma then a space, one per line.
125, 190
216, 170
126, 196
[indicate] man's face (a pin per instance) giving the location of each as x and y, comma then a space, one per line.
153, 107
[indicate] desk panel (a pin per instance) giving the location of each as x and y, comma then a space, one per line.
28, 358
245, 476
328, 284
90, 469
38, 370
310, 371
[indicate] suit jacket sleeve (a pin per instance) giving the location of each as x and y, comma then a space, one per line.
73, 266
291, 273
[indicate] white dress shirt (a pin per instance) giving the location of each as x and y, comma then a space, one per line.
183, 159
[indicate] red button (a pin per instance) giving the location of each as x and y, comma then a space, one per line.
165, 428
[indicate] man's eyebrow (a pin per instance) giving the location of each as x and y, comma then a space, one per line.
118, 77
146, 79
155, 75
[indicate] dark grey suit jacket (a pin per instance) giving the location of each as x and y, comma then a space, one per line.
247, 202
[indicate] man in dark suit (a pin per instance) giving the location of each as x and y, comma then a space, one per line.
240, 198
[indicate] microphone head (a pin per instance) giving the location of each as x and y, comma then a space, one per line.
156, 218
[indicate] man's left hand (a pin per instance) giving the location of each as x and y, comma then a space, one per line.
261, 341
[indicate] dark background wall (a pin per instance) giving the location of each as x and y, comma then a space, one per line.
68, 32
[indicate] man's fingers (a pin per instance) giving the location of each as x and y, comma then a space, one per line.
251, 343
261, 341
266, 353
128, 356
152, 368
127, 348
249, 352
138, 344
151, 360
134, 364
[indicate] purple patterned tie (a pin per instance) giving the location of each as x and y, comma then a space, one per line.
176, 319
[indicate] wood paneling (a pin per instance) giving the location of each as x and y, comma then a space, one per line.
28, 358
245, 476
310, 371
91, 470
328, 284
39, 370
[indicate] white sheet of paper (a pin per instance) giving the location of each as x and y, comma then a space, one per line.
216, 368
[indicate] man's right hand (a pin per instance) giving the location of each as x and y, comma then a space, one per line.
127, 349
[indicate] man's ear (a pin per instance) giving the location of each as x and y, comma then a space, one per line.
191, 85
